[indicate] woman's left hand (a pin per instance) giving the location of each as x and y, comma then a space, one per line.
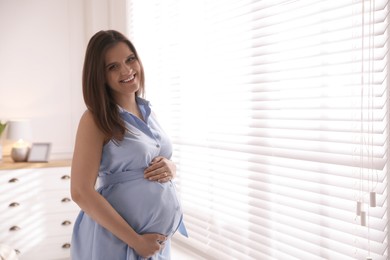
161, 169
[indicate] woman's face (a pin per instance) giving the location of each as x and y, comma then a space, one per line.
122, 70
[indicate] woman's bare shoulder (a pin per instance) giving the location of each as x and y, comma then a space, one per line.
88, 126
87, 118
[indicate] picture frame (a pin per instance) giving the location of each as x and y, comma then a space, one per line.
39, 152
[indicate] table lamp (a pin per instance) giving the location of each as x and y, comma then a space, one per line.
20, 132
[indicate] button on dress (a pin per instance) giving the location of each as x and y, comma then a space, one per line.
148, 206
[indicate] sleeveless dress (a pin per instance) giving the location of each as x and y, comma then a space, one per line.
148, 206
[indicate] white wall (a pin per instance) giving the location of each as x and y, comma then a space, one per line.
42, 44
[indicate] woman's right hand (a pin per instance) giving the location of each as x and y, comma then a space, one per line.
149, 244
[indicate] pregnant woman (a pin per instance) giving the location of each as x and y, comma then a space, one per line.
121, 149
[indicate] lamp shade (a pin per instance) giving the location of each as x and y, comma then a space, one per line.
19, 129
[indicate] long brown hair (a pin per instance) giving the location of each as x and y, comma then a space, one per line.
97, 94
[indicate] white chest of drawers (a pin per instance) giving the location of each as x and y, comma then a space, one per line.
36, 210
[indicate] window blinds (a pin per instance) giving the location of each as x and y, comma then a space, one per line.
278, 111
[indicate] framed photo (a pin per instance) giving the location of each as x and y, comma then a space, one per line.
39, 152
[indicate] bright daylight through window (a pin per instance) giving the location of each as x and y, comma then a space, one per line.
278, 111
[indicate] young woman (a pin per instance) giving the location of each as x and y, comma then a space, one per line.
121, 149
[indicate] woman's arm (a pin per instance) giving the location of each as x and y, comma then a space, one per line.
85, 167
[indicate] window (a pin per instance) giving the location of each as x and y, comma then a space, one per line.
278, 111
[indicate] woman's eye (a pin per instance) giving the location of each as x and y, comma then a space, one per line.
113, 67
131, 59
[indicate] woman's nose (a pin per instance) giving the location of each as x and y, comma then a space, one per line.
126, 69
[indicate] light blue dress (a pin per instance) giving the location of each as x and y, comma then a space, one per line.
148, 206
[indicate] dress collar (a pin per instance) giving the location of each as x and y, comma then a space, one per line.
144, 106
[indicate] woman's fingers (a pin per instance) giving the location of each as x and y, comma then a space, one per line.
161, 170
150, 244
159, 175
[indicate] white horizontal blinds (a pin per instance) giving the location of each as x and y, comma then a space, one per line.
277, 132
153, 28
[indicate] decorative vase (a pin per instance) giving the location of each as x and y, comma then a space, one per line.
19, 154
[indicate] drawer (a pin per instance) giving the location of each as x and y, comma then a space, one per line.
33, 202
54, 201
42, 203
7, 176
16, 203
23, 227
55, 178
30, 179
19, 179
48, 238
17, 213
50, 249
37, 225
60, 224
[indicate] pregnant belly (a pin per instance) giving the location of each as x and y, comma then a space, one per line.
149, 207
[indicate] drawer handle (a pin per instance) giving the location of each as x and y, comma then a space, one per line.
14, 205
65, 177
64, 200
14, 228
66, 245
66, 223
13, 180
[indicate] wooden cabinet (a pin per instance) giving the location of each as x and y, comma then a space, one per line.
36, 210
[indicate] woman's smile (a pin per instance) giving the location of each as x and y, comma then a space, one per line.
127, 80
